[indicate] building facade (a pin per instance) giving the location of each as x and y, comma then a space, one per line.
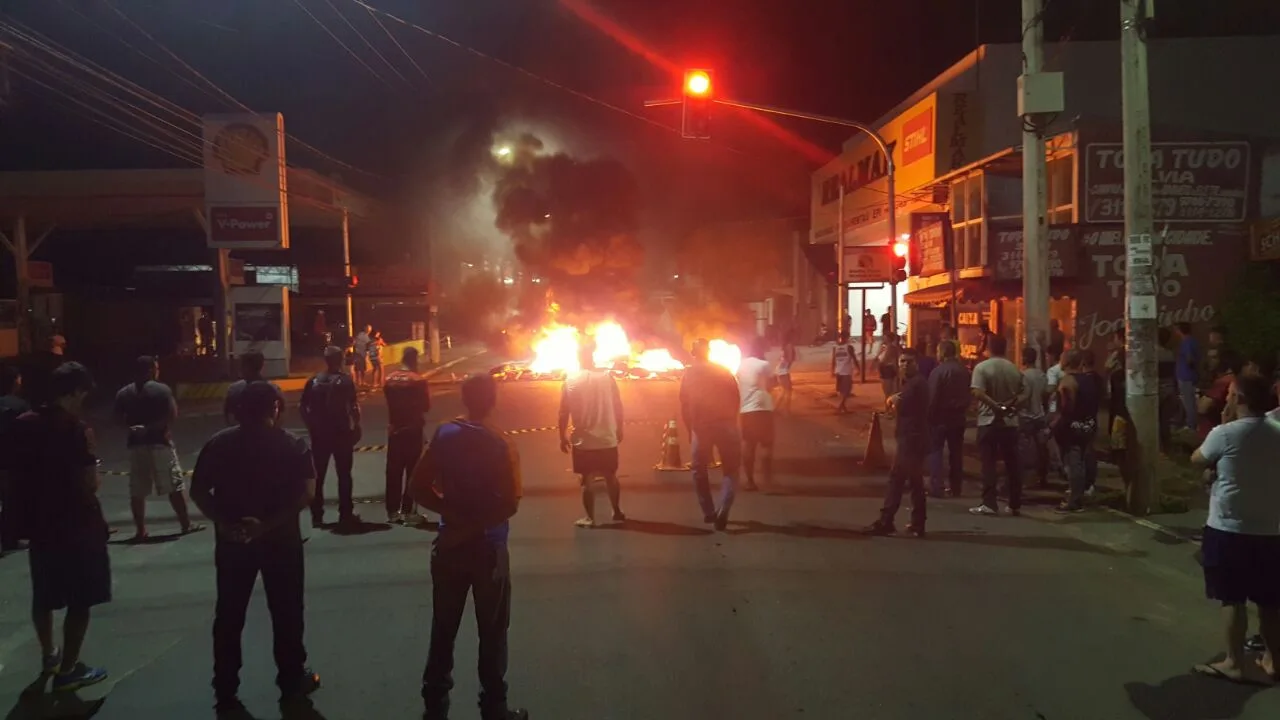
956, 145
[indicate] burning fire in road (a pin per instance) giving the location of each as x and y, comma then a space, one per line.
556, 353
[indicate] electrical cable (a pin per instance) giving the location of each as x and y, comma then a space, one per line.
404, 52
344, 46
365, 40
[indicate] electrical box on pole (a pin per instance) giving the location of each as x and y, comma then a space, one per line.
698, 94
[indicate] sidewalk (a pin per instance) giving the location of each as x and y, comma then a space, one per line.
816, 382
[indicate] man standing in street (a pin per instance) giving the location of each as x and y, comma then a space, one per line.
709, 405
589, 399
408, 401
843, 361
1079, 400
755, 384
911, 408
1032, 423
56, 475
1241, 545
38, 369
252, 480
997, 386
1187, 372
147, 408
949, 400
252, 364
360, 346
471, 477
888, 363
330, 409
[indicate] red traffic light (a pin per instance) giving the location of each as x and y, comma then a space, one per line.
697, 83
900, 249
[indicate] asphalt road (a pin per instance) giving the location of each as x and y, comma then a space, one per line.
789, 614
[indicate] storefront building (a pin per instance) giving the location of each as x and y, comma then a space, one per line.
1213, 177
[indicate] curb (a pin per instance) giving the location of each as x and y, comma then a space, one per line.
1153, 526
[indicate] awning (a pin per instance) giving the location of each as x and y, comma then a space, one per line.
967, 290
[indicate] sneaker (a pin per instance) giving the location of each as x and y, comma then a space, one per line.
1015, 512
619, 516
916, 530
1067, 508
317, 522
231, 709
722, 520
49, 663
880, 528
983, 510
349, 522
1255, 644
1090, 491
81, 676
395, 519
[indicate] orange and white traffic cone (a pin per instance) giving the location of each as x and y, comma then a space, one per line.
874, 456
669, 457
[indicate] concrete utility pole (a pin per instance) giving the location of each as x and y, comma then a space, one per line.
1035, 225
1141, 308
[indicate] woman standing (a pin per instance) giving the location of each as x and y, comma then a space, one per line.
376, 343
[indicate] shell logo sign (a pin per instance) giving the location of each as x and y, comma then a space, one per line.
245, 193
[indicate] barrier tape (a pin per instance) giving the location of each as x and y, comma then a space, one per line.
383, 447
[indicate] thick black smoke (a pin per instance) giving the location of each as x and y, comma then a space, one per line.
574, 226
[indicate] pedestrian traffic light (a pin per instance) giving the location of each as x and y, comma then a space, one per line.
900, 249
698, 93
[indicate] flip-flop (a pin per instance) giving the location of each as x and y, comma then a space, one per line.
1273, 676
1210, 671
193, 528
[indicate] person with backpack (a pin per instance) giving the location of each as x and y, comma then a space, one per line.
331, 411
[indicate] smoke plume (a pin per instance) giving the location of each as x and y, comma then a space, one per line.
573, 224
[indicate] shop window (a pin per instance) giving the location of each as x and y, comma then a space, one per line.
967, 214
1060, 184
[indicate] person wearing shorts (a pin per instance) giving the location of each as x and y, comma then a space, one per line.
1241, 544
843, 361
57, 476
589, 399
146, 407
755, 381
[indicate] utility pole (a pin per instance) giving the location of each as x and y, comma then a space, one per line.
842, 291
346, 269
1035, 226
1141, 309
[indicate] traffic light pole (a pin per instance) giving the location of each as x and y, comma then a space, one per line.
889, 187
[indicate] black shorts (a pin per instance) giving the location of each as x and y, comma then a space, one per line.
75, 575
757, 427
844, 384
602, 462
1241, 568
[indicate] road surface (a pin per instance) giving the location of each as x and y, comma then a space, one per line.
790, 614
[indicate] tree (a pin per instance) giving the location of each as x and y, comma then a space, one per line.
1251, 312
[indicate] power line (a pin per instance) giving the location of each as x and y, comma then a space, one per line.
344, 46
404, 52
220, 93
516, 68
365, 40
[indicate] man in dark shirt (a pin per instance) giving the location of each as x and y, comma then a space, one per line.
331, 410
38, 367
912, 409
252, 480
251, 367
146, 407
57, 478
470, 475
12, 407
709, 404
408, 400
949, 398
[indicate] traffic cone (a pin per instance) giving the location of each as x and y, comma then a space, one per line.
874, 457
669, 453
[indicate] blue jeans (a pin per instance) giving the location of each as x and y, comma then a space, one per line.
1187, 391
724, 438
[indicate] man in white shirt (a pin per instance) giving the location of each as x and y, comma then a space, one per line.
755, 381
590, 400
998, 387
1032, 422
1241, 545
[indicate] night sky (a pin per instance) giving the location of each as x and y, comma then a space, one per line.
418, 135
